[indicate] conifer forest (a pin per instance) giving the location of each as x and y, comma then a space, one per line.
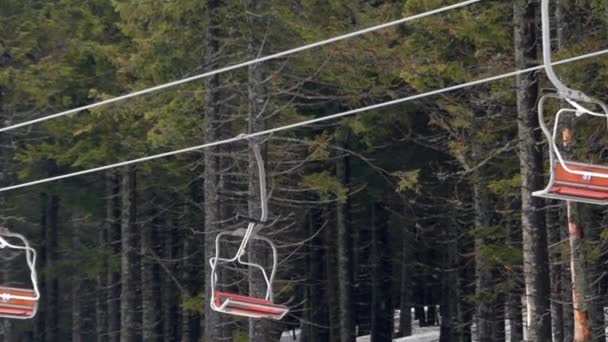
227, 171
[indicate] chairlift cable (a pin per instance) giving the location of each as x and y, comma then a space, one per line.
241, 65
302, 123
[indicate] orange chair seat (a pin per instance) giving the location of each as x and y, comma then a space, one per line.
249, 306
17, 307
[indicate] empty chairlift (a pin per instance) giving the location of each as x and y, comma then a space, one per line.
239, 304
19, 303
569, 180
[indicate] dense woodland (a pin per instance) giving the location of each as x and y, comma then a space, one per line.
426, 203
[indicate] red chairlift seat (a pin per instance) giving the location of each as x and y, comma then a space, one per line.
247, 306
575, 187
17, 303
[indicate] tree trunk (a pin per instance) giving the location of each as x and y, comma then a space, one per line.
581, 294
113, 214
346, 318
554, 226
536, 258
128, 295
102, 283
52, 280
213, 321
451, 325
259, 252
485, 318
316, 319
77, 319
40, 323
514, 296
170, 297
382, 309
150, 276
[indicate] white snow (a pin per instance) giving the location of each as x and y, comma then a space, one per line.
420, 334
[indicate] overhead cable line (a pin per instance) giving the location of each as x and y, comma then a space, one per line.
240, 65
302, 123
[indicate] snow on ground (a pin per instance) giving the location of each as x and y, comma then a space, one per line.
420, 334
426, 334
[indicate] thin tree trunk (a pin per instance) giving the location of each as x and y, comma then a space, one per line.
513, 298
170, 297
346, 318
213, 322
557, 304
77, 319
102, 284
113, 214
40, 323
536, 258
259, 330
382, 310
150, 276
450, 330
128, 295
52, 281
331, 277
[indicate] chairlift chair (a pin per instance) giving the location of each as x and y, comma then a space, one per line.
19, 303
569, 180
239, 304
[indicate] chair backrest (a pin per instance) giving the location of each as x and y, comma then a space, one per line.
563, 177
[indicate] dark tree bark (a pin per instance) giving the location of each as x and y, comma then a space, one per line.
52, 281
40, 324
128, 294
451, 324
102, 283
536, 258
316, 317
77, 295
113, 214
346, 318
170, 297
150, 276
213, 324
554, 226
382, 309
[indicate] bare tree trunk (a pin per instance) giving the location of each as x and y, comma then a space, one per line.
150, 287
128, 295
406, 285
40, 323
77, 320
101, 281
52, 281
170, 297
581, 293
259, 330
113, 214
536, 258
315, 318
331, 277
346, 324
213, 324
382, 309
557, 300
